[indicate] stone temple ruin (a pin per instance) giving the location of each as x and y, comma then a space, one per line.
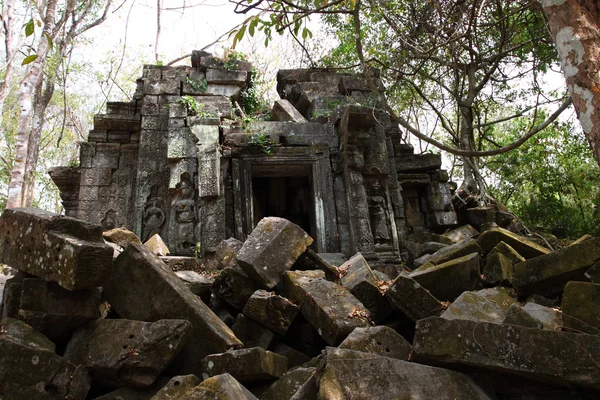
329, 160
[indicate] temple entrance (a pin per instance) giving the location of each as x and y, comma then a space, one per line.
285, 197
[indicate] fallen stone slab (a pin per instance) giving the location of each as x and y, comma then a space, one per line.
309, 260
11, 297
593, 273
525, 247
157, 245
460, 249
366, 285
430, 248
121, 236
246, 365
142, 287
199, 284
120, 352
461, 233
234, 286
556, 358
547, 275
381, 340
507, 251
54, 311
304, 337
283, 110
581, 307
407, 295
29, 367
127, 393
275, 312
486, 305
348, 374
498, 269
220, 387
295, 358
224, 255
329, 307
534, 315
54, 247
251, 333
288, 384
177, 386
271, 249
448, 280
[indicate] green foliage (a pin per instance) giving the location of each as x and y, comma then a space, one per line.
190, 103
232, 59
551, 181
262, 141
198, 86
198, 251
250, 100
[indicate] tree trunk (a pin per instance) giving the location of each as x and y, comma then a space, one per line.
575, 26
26, 93
10, 47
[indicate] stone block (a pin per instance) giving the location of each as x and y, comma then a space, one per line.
54, 311
348, 374
288, 384
366, 285
251, 333
304, 337
418, 162
209, 173
157, 246
224, 77
525, 247
219, 105
271, 249
461, 233
593, 273
97, 135
310, 260
275, 312
223, 310
556, 358
547, 275
246, 365
329, 307
234, 286
295, 358
207, 135
54, 247
430, 248
460, 249
120, 352
498, 269
127, 393
283, 110
230, 91
150, 105
29, 367
11, 296
199, 284
118, 137
405, 294
508, 252
224, 255
380, 340
448, 280
177, 387
535, 316
487, 305
221, 387
121, 236
142, 287
181, 143
581, 307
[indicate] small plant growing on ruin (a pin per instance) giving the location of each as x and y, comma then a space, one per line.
197, 251
262, 141
190, 103
202, 113
198, 86
232, 59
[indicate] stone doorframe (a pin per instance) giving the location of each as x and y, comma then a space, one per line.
316, 160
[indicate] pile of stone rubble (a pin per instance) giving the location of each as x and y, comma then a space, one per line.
487, 315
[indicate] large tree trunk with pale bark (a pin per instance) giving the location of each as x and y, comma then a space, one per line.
575, 26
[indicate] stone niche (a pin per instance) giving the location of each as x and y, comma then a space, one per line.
329, 160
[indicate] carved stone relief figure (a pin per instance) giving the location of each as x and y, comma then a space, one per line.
379, 221
184, 209
154, 217
109, 221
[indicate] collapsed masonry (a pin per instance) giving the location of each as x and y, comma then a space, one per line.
329, 160
478, 319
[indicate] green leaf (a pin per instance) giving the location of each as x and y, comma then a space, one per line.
49, 39
252, 26
29, 28
29, 59
239, 35
306, 33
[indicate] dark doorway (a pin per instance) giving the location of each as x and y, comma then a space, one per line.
287, 197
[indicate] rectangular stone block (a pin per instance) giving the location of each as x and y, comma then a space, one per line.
556, 358
406, 295
525, 247
54, 247
209, 173
246, 365
224, 77
142, 287
271, 249
548, 274
181, 144
329, 307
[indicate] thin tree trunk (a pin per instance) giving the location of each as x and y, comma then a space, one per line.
575, 26
32, 78
158, 29
10, 47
